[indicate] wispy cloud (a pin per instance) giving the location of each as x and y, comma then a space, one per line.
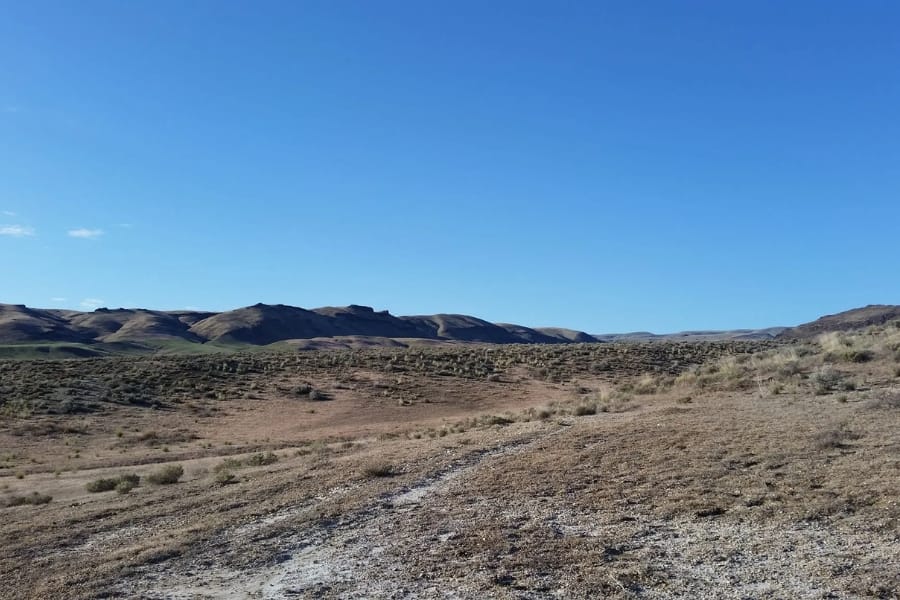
124, 225
85, 234
91, 303
57, 299
17, 230
8, 213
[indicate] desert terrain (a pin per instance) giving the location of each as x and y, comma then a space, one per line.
629, 469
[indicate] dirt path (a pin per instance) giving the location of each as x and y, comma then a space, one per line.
350, 556
392, 545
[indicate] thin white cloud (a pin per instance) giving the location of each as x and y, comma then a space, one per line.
124, 225
8, 213
92, 303
85, 234
57, 299
17, 230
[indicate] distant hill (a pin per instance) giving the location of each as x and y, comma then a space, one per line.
567, 335
32, 332
18, 323
768, 333
857, 318
105, 330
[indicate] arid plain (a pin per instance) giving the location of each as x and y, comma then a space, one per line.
715, 469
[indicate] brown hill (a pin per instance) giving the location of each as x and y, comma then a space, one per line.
132, 325
857, 318
146, 324
769, 333
262, 324
463, 328
566, 335
18, 323
529, 335
351, 326
355, 320
189, 317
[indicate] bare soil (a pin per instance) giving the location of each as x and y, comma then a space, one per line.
413, 484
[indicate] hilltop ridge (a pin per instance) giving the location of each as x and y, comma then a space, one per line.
260, 325
27, 332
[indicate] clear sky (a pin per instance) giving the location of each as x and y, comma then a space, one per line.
605, 166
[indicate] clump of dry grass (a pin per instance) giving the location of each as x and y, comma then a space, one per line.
491, 421
379, 469
809, 366
826, 379
584, 409
647, 384
166, 475
121, 483
844, 347
34, 499
261, 459
606, 400
834, 438
540, 414
879, 342
613, 400
224, 477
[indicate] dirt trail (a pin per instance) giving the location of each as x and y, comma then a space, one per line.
373, 552
350, 557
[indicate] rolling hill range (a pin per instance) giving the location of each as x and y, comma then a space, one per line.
693, 336
134, 330
32, 332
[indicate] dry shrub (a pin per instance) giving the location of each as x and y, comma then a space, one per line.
610, 400
492, 420
166, 475
826, 379
539, 413
259, 460
856, 348
835, 437
646, 385
585, 409
121, 483
224, 477
379, 469
33, 499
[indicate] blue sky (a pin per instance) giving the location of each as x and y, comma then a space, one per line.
606, 166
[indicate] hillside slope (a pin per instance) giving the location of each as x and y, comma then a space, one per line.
857, 318
19, 324
257, 325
